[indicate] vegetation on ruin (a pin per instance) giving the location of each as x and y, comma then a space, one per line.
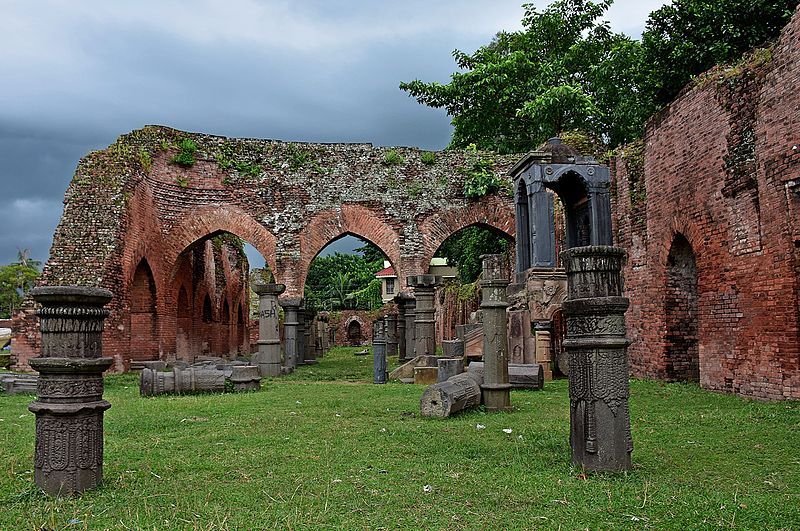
392, 158
567, 70
428, 157
185, 156
480, 178
16, 279
324, 448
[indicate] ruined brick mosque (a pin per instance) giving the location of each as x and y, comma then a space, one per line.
707, 208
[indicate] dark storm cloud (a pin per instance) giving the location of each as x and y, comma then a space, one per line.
77, 75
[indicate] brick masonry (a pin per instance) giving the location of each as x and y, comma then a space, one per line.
709, 210
129, 205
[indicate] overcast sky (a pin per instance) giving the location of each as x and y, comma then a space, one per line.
75, 75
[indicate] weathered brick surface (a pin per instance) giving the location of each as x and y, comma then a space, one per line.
721, 169
129, 203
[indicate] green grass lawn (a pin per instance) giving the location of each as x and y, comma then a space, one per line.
324, 448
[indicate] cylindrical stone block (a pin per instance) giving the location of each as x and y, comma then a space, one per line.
600, 432
424, 319
70, 406
268, 357
449, 367
496, 387
291, 307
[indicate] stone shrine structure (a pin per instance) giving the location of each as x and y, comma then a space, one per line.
69, 407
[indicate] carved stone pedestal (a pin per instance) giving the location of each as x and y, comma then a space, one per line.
496, 387
424, 319
268, 357
69, 409
380, 374
600, 430
391, 335
405, 326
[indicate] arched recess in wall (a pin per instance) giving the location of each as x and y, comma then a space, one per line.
682, 353
354, 220
241, 327
184, 324
207, 326
144, 344
225, 329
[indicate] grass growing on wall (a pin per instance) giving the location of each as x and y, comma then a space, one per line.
343, 453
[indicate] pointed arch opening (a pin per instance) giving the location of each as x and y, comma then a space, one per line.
682, 350
144, 343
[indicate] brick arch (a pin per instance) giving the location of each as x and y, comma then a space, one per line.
330, 225
210, 220
491, 211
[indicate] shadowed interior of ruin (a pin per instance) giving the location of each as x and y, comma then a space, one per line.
682, 349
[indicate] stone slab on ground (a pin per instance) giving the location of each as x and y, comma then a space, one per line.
426, 375
520, 376
407, 369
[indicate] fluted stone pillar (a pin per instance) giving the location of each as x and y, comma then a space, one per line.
424, 320
496, 387
70, 406
291, 308
600, 429
268, 357
391, 335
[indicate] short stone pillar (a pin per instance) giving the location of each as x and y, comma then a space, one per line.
496, 387
325, 334
69, 409
301, 336
268, 357
600, 429
544, 351
424, 319
391, 335
380, 374
291, 307
318, 352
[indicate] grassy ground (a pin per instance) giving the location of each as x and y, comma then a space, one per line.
324, 448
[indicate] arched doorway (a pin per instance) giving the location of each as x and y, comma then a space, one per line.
144, 320
682, 351
354, 333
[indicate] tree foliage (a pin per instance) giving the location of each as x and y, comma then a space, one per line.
15, 280
464, 249
564, 70
688, 37
342, 281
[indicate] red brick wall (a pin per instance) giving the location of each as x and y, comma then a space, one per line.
721, 168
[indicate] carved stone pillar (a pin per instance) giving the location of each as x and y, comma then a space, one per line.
291, 307
380, 374
409, 305
318, 352
324, 333
310, 354
268, 357
496, 387
544, 352
424, 318
600, 430
391, 335
402, 335
69, 409
301, 335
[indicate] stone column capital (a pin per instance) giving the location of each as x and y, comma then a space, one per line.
268, 289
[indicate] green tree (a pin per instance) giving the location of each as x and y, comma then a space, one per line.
688, 37
464, 249
565, 70
333, 279
15, 280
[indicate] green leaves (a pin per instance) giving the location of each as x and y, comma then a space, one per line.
480, 178
529, 85
185, 156
15, 280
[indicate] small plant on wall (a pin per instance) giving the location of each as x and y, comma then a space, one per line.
479, 176
392, 158
185, 156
